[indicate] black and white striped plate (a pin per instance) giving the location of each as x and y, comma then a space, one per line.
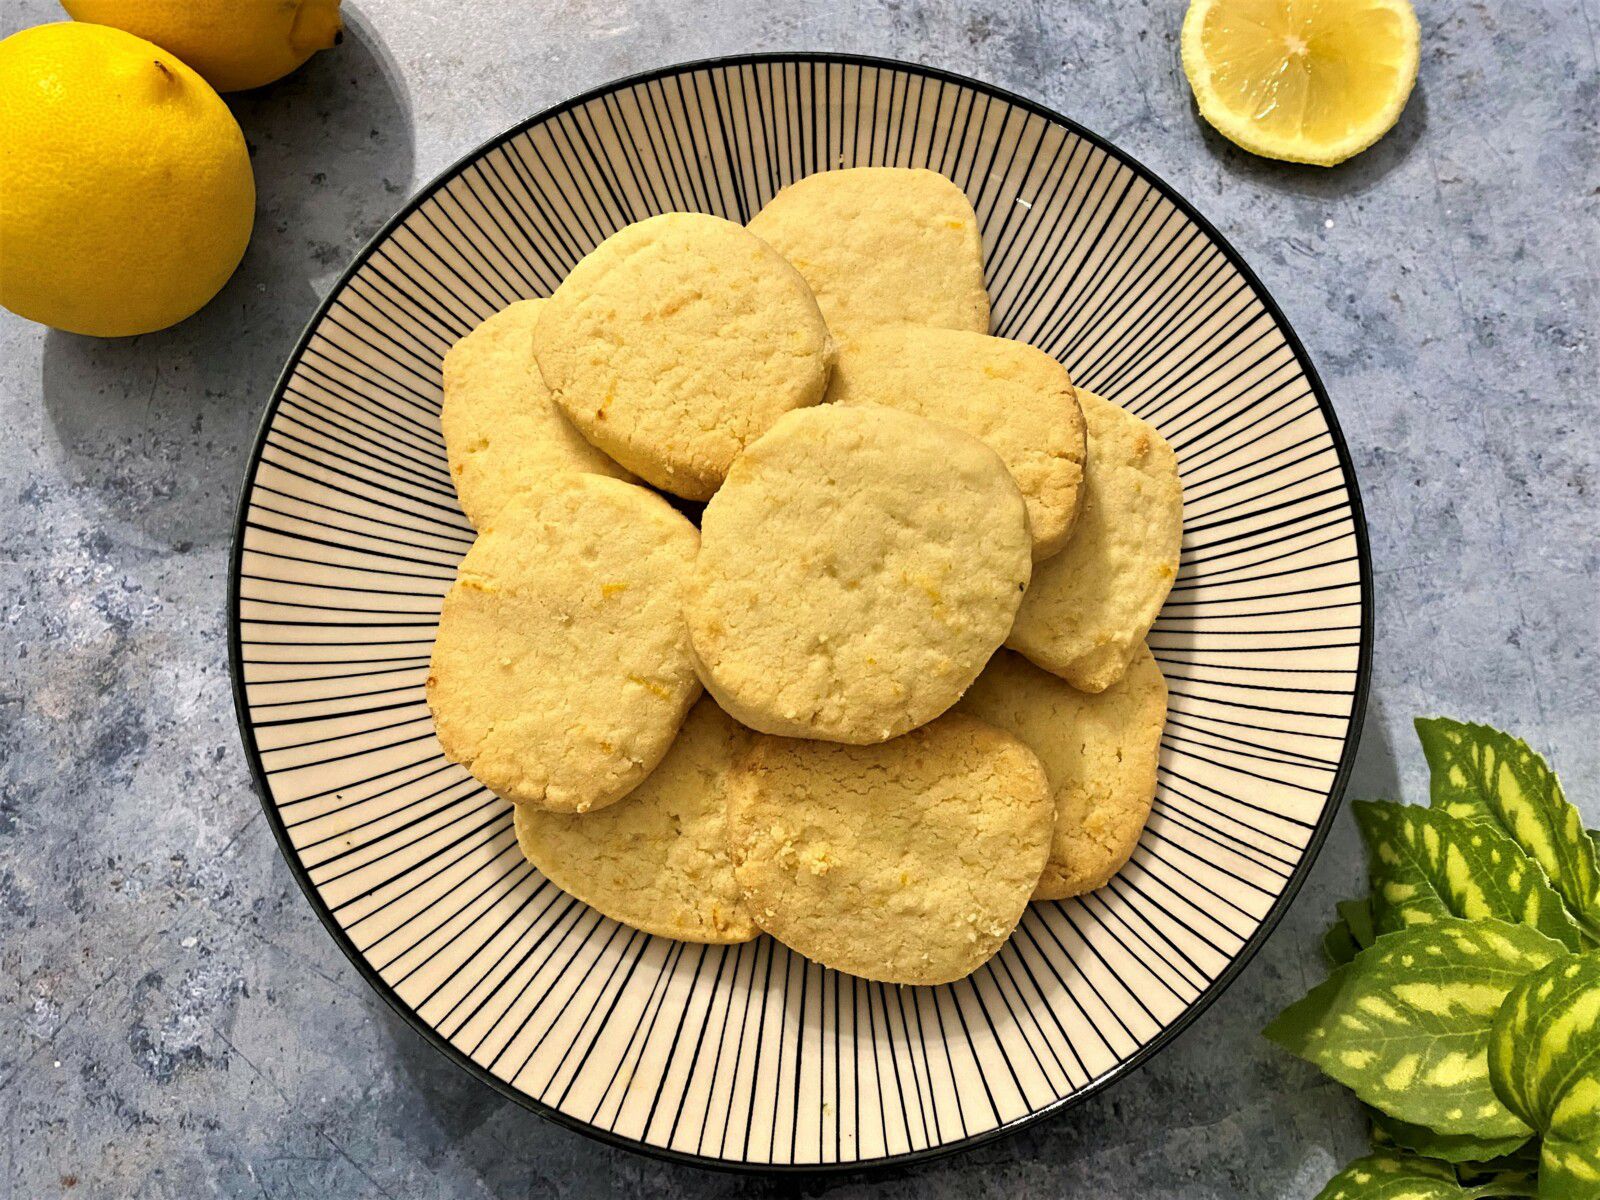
749, 1056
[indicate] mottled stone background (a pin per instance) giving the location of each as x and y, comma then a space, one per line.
174, 1022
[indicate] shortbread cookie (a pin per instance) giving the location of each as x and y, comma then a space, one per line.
1099, 750
880, 245
856, 571
677, 342
1088, 610
561, 669
906, 862
502, 430
658, 858
1015, 399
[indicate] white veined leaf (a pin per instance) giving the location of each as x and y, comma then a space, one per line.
1481, 774
1427, 864
1405, 1024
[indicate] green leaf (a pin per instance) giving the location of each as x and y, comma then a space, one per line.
1405, 1025
1394, 1177
1427, 864
1481, 774
1350, 934
1358, 915
1544, 1063
1522, 1161
1569, 1170
1510, 1180
1450, 1147
1544, 1049
1338, 944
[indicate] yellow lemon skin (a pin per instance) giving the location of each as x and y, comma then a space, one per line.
235, 44
1307, 81
127, 197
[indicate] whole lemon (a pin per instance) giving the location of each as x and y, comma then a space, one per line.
128, 197
235, 44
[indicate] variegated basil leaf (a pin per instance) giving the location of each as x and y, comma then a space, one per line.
1427, 864
1405, 1025
1390, 1131
1544, 1063
1481, 774
1394, 1177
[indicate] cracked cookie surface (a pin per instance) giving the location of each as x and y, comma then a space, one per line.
1100, 751
503, 432
677, 342
1013, 398
856, 571
907, 862
561, 668
1089, 608
881, 245
657, 859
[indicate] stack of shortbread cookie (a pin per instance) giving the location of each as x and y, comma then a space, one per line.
917, 597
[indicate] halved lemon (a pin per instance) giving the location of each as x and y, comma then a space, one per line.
1310, 81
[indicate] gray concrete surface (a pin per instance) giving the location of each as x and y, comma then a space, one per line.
173, 1020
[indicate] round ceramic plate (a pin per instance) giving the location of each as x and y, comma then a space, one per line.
750, 1056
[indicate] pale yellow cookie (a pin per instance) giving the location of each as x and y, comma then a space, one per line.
502, 430
1015, 399
1088, 609
677, 342
856, 571
880, 245
906, 862
1099, 750
561, 669
657, 859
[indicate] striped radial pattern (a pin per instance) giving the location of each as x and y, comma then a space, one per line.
349, 535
